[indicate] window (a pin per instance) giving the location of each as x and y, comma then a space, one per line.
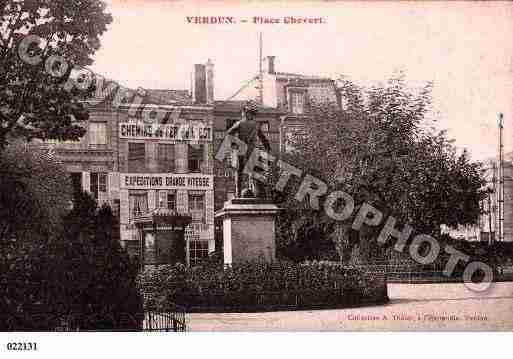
195, 158
136, 157
197, 206
98, 183
97, 133
137, 203
166, 157
198, 250
297, 102
292, 135
161, 199
220, 135
171, 201
229, 123
229, 163
223, 170
166, 199
116, 207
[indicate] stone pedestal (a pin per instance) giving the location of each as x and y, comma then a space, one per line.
249, 232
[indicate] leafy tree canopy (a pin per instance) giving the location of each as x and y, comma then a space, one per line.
37, 99
35, 192
382, 148
99, 277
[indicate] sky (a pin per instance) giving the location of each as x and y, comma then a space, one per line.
465, 48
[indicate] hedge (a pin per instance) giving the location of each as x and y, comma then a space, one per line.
257, 286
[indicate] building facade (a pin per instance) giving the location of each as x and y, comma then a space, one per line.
292, 95
226, 113
167, 165
155, 149
148, 153
493, 211
487, 227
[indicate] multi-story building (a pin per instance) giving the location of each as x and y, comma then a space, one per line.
92, 161
226, 113
291, 94
145, 153
285, 102
168, 166
495, 208
155, 149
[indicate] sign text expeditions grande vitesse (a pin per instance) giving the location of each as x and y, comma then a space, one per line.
168, 181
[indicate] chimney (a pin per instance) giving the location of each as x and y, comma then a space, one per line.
269, 65
199, 88
209, 68
203, 83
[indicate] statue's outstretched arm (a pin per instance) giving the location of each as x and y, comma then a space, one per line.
234, 128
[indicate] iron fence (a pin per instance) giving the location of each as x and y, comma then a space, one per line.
415, 273
174, 321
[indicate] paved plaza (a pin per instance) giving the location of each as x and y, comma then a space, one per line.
448, 306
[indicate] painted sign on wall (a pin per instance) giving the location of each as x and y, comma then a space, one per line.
166, 181
170, 132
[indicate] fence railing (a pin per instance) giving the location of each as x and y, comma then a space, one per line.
408, 273
175, 321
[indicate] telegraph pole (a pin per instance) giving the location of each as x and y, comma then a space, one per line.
494, 205
501, 180
260, 71
490, 240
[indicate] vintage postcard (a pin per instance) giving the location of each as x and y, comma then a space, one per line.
223, 166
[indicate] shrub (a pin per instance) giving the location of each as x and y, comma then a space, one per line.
100, 276
256, 286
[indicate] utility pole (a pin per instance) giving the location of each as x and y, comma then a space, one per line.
490, 240
260, 71
494, 206
501, 181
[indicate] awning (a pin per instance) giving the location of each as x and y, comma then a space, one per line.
163, 217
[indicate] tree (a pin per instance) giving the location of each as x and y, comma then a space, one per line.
35, 192
100, 277
59, 264
42, 87
381, 149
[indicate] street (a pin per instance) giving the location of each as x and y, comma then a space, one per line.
448, 306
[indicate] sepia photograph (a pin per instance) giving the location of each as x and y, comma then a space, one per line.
255, 166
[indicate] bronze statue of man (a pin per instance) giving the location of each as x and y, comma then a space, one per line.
248, 131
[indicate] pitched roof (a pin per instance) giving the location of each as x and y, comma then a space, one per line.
167, 97
301, 76
237, 105
106, 90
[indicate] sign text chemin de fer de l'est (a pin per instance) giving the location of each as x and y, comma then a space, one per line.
173, 132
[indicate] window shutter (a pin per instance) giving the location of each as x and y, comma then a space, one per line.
94, 184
